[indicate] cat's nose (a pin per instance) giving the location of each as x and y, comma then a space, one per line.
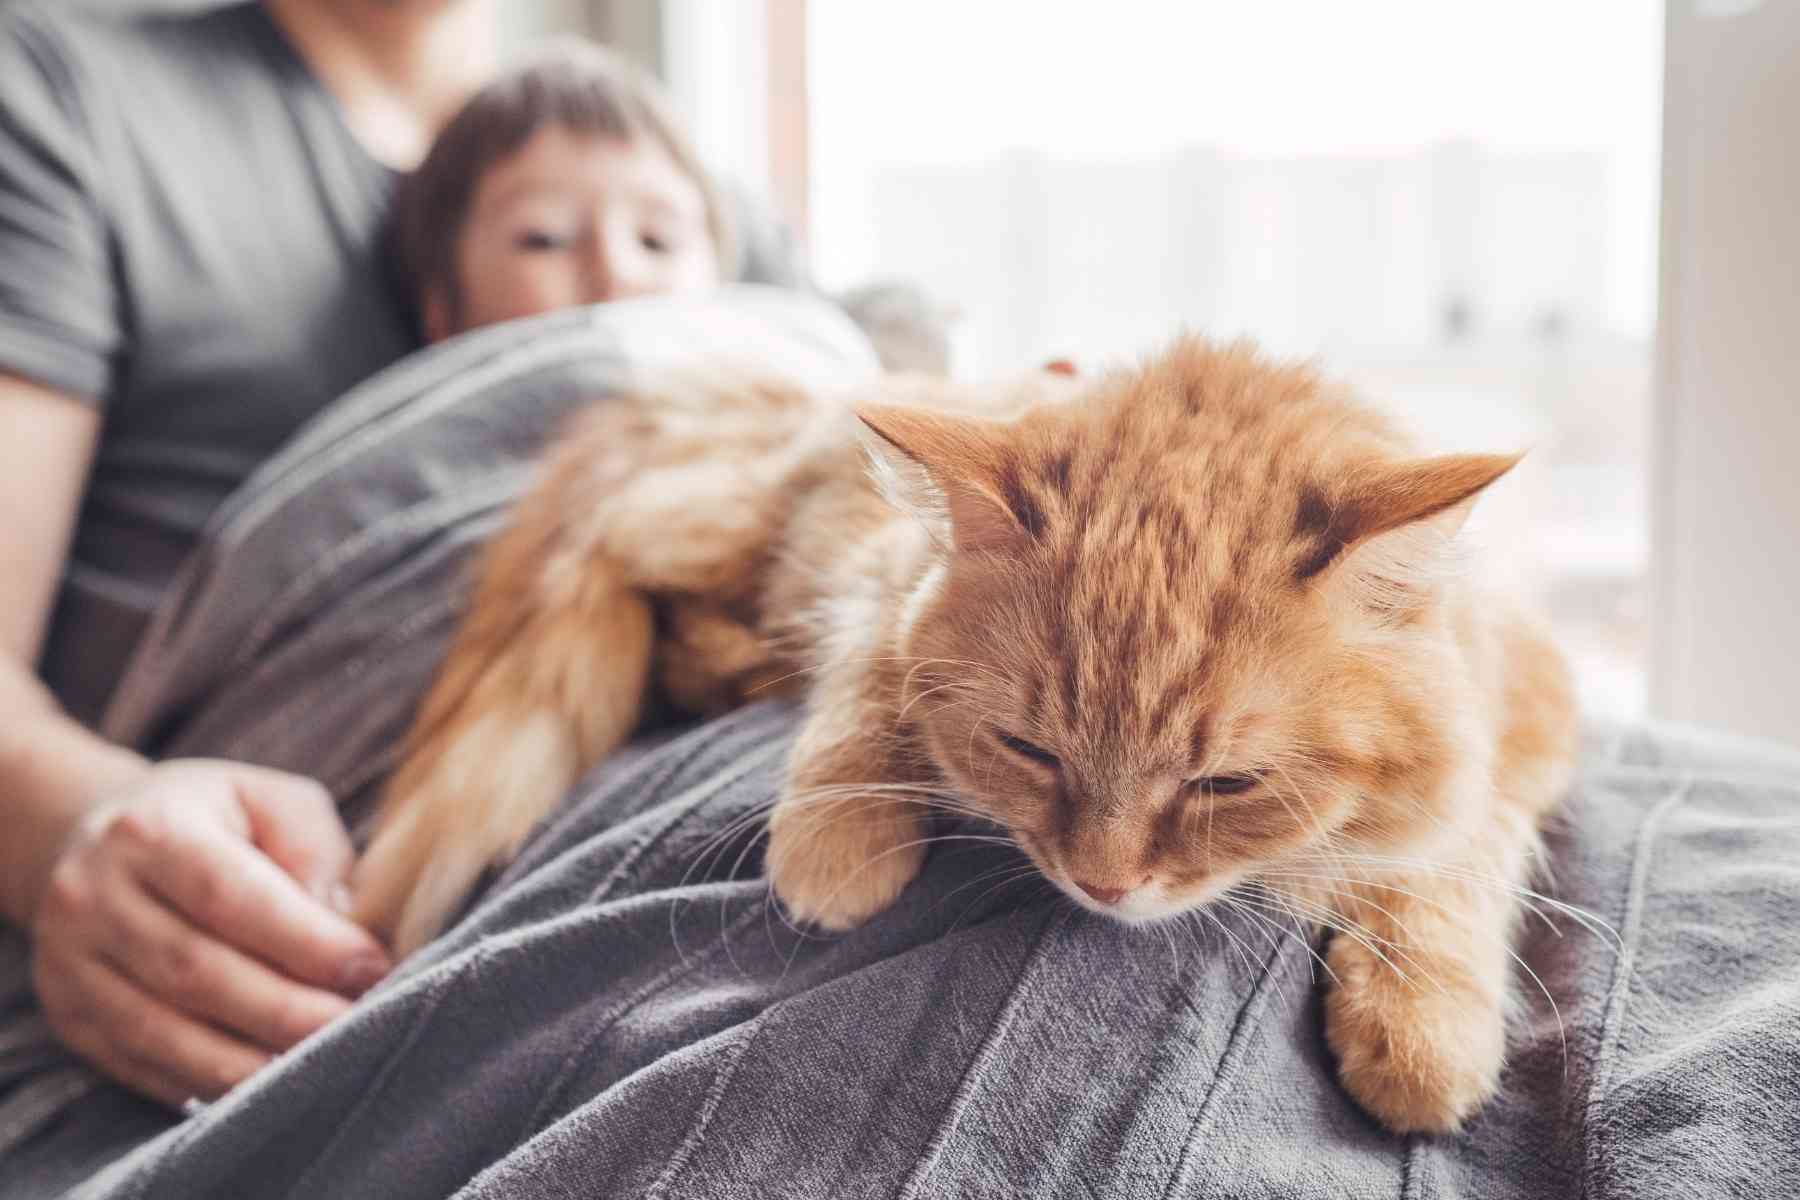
1105, 895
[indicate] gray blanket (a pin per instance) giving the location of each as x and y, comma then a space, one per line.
623, 1013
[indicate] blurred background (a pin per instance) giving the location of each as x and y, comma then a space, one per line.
1563, 227
1453, 205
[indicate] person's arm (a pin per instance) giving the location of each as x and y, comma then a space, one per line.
183, 914
51, 768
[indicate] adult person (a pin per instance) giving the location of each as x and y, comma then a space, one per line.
190, 266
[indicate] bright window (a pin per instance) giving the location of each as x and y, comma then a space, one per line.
1451, 204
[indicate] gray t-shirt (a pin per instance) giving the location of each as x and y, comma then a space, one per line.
190, 238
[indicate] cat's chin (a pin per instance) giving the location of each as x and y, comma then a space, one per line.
1154, 901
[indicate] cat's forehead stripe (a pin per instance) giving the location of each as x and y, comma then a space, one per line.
1312, 515
1018, 498
1171, 511
1070, 676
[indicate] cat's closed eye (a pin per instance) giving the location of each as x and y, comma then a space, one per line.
1027, 750
1223, 785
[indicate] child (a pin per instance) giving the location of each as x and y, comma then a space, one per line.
564, 182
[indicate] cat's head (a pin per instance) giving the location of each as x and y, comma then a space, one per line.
1187, 627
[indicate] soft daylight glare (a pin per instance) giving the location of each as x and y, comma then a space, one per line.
939, 81
1453, 204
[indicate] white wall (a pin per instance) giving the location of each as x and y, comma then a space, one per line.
1727, 484
715, 60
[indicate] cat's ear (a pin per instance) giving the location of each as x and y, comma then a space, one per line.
945, 469
1387, 533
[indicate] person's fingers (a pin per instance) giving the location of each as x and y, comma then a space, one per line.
136, 1038
144, 1081
153, 1038
295, 822
90, 1043
193, 972
232, 890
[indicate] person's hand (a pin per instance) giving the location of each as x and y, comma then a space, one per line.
191, 928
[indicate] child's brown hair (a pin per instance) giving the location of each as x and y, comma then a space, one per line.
575, 84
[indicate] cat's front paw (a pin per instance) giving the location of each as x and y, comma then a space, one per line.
838, 868
1420, 1056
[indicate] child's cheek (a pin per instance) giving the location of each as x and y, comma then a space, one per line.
522, 285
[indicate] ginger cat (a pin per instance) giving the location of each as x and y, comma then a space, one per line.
1184, 631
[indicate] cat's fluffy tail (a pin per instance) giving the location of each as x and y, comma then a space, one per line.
545, 678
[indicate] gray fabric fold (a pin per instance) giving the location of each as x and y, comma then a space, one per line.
625, 1014
308, 621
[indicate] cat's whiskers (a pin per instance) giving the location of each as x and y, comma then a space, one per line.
1318, 825
1161, 928
1529, 898
860, 794
944, 706
1334, 917
1501, 939
991, 671
872, 786
1250, 908
873, 792
1362, 872
942, 687
815, 830
717, 842
803, 642
849, 798
1212, 803
851, 878
834, 803
1258, 920
1325, 918
1328, 918
993, 757
969, 749
1325, 846
1025, 874
756, 814
811, 826
1003, 869
1309, 904
1237, 942
991, 675
1262, 919
1582, 916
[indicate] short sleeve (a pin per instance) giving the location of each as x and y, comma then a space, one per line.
59, 322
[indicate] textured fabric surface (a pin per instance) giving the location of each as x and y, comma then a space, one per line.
304, 628
624, 1014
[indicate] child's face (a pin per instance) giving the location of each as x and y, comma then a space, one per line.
574, 218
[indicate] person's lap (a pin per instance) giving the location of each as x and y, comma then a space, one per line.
626, 1005
98, 1128
47, 1156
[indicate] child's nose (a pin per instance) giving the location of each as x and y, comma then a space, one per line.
601, 270
613, 274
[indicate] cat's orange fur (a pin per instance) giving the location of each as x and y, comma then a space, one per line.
1179, 629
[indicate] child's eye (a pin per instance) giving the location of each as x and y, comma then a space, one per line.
538, 241
654, 243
